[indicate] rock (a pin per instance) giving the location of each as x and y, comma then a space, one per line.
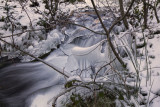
144, 93
4, 61
34, 4
157, 32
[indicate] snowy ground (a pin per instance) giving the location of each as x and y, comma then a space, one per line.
79, 41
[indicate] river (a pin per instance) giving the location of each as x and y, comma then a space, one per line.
34, 84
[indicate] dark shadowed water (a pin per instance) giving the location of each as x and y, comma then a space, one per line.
21, 83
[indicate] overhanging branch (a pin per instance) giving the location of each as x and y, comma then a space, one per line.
108, 31
53, 67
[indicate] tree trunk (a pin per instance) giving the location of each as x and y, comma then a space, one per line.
145, 8
122, 13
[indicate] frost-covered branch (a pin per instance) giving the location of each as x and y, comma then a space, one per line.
103, 67
108, 35
60, 94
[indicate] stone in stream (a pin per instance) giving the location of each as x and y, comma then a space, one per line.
5, 61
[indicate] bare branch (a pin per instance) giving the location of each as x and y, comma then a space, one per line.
155, 11
26, 14
81, 26
52, 66
24, 32
108, 38
110, 29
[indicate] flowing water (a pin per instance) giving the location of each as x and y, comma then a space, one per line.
34, 84
21, 83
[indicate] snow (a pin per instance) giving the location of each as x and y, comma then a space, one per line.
100, 3
74, 78
156, 102
82, 53
41, 100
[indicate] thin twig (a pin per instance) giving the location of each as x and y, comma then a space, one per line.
26, 14
60, 94
69, 22
103, 67
31, 30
